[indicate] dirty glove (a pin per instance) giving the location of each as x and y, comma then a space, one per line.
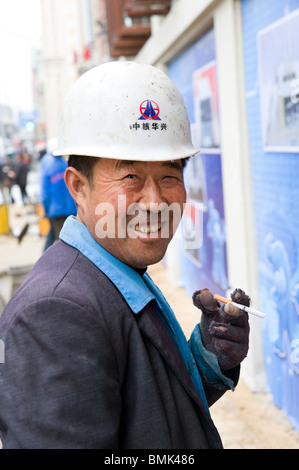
224, 329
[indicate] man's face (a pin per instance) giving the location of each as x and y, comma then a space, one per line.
133, 208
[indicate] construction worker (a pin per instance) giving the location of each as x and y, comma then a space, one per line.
94, 356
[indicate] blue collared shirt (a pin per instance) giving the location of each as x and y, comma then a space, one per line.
138, 292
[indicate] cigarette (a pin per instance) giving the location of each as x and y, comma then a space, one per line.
240, 306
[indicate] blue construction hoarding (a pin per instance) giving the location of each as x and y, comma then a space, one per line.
271, 59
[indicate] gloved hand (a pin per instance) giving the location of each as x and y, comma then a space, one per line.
224, 329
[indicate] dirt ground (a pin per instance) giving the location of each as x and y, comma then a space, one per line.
245, 420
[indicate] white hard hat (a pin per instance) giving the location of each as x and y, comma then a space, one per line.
126, 111
52, 144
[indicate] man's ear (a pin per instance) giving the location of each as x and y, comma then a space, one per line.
77, 184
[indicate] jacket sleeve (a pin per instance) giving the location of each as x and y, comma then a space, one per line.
60, 379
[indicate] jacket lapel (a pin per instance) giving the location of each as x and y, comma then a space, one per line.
154, 329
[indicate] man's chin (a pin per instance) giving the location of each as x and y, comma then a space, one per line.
146, 257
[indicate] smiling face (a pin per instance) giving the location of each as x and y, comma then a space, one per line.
130, 208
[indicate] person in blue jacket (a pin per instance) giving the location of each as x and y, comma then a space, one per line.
56, 199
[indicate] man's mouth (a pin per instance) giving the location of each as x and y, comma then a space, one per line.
147, 228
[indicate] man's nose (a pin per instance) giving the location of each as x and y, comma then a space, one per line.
151, 195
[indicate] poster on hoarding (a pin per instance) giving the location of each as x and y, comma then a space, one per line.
278, 56
206, 107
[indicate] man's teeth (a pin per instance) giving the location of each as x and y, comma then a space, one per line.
147, 228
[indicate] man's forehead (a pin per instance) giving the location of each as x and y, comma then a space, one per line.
177, 164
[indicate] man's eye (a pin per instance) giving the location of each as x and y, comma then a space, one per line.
130, 176
170, 178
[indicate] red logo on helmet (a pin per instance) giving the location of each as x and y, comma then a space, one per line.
149, 111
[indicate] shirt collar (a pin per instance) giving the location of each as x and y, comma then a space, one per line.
126, 279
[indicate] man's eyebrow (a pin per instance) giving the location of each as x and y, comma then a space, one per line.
177, 164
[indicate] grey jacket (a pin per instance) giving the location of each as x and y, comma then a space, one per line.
81, 371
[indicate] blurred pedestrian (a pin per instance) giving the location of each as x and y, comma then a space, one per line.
56, 199
8, 178
26, 157
21, 171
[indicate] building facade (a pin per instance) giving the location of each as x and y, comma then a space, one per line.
68, 50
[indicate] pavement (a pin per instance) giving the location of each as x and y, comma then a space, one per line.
245, 420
